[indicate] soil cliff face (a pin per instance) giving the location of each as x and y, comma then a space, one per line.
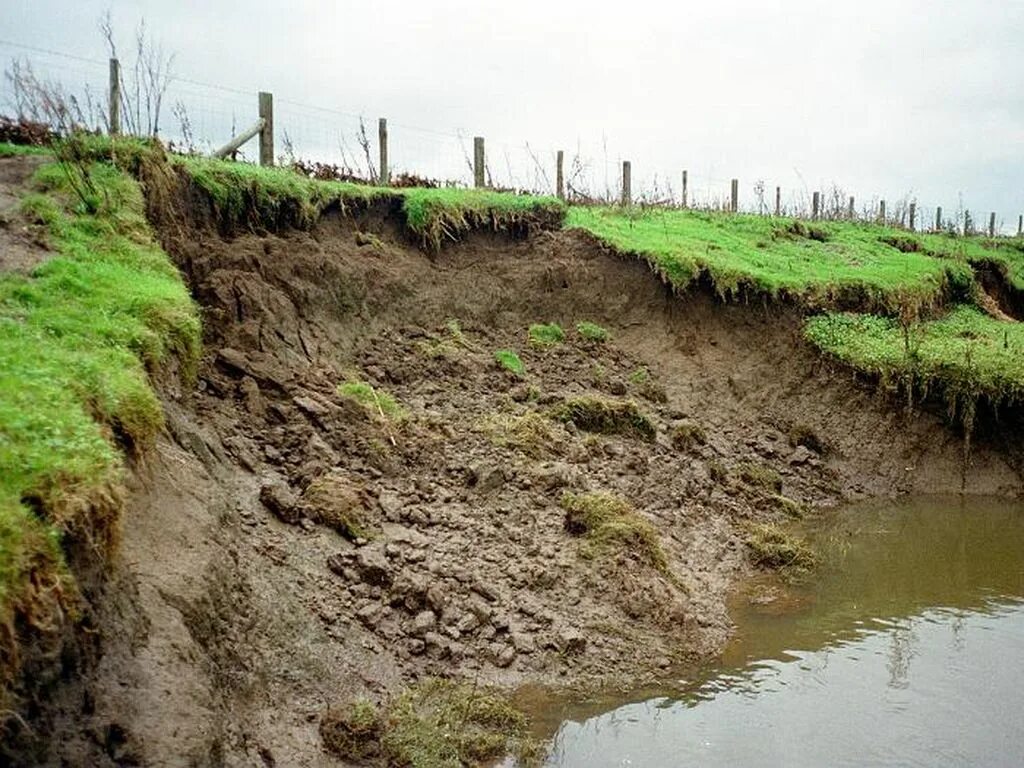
292, 544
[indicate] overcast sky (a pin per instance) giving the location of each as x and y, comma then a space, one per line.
882, 98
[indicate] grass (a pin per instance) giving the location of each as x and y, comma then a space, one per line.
546, 334
79, 339
610, 524
20, 150
433, 724
838, 261
759, 476
510, 361
530, 432
773, 547
966, 352
687, 435
376, 401
592, 332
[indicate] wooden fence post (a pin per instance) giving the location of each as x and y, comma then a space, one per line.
778, 201
815, 205
881, 212
992, 224
938, 218
913, 215
1020, 225
968, 224
115, 97
478, 162
685, 180
734, 196
627, 182
560, 175
382, 138
267, 131
851, 212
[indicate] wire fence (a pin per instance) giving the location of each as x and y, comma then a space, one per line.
199, 117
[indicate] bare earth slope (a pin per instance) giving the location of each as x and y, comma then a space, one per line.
287, 548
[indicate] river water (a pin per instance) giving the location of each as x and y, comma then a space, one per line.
906, 648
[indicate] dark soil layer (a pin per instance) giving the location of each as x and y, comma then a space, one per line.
289, 547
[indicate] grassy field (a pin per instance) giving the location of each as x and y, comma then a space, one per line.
78, 340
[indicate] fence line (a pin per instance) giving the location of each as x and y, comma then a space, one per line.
322, 132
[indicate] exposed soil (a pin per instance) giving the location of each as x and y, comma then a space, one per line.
287, 547
21, 247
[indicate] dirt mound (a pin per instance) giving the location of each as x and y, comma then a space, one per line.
359, 494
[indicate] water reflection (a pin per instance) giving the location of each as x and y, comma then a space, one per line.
905, 650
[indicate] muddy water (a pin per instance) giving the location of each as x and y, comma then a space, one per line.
907, 649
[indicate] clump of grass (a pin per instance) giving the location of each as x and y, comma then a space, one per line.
530, 432
801, 434
375, 400
592, 332
787, 506
333, 502
510, 361
687, 434
773, 547
717, 472
546, 334
610, 523
352, 732
760, 476
605, 416
640, 376
433, 724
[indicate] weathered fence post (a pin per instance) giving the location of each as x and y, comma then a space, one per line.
560, 175
685, 180
968, 224
938, 218
267, 131
778, 201
734, 196
627, 182
1020, 225
115, 97
851, 212
478, 162
881, 212
815, 205
992, 224
913, 215
382, 138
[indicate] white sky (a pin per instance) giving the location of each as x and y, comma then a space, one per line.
882, 98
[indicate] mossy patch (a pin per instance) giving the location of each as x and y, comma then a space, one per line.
609, 523
333, 501
605, 416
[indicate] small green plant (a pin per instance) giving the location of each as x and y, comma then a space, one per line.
687, 434
546, 334
377, 401
760, 476
773, 547
592, 332
639, 376
598, 414
510, 361
609, 522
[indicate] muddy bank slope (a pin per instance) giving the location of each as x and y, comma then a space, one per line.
295, 545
